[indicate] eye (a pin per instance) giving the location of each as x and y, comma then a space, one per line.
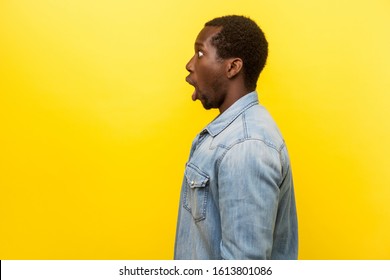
200, 54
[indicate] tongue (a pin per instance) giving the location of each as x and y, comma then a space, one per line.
194, 96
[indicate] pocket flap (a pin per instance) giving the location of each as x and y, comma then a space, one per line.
195, 177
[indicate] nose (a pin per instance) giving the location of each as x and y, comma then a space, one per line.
190, 65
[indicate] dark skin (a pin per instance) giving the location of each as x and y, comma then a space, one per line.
218, 82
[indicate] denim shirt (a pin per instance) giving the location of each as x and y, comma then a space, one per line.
237, 198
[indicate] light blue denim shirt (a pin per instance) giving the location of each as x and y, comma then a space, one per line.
237, 199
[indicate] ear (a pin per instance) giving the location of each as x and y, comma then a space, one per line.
234, 67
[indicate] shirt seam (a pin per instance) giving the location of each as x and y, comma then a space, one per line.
239, 141
231, 120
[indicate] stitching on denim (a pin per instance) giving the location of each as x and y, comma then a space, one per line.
267, 143
212, 133
203, 190
245, 126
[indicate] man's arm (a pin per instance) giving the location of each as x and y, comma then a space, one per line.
248, 182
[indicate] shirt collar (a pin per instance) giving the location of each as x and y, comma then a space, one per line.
227, 117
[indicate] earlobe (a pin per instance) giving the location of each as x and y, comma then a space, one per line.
234, 67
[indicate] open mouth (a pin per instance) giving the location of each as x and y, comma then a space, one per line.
195, 93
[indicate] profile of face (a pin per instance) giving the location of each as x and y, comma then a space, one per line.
207, 72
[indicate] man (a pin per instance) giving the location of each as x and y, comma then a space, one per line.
237, 198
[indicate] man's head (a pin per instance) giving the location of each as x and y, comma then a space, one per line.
241, 37
230, 53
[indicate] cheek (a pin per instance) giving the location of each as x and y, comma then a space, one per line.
207, 77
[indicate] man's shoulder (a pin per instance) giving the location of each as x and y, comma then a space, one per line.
254, 124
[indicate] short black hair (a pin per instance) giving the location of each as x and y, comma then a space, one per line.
241, 37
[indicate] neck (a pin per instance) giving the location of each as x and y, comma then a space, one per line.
233, 94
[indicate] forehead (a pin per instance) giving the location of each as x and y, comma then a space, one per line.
205, 35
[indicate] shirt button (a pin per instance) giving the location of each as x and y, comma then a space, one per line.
192, 183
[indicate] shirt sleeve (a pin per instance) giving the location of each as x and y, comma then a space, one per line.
248, 182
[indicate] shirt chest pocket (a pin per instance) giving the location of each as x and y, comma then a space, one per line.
196, 192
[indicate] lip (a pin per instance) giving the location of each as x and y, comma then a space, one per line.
188, 80
192, 83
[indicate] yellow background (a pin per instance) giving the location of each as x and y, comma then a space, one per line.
96, 122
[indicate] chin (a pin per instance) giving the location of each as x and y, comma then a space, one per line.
207, 106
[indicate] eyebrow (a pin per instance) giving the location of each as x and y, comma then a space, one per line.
198, 44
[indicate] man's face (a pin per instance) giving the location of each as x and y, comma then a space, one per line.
207, 71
